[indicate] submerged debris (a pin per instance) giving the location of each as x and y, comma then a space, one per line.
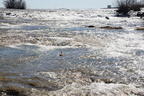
140, 28
109, 27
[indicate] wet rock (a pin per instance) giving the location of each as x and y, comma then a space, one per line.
140, 28
140, 14
90, 26
8, 13
107, 17
14, 91
109, 27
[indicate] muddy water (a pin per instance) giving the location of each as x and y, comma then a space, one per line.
94, 61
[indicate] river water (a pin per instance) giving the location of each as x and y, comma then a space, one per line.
94, 61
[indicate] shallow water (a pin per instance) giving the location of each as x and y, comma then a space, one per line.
95, 61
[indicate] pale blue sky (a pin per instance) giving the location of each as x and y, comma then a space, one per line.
71, 4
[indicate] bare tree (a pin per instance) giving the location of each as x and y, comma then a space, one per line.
10, 3
20, 4
15, 4
124, 6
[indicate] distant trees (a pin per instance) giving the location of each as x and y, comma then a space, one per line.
124, 6
15, 4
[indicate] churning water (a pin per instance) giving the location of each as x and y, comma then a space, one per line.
94, 61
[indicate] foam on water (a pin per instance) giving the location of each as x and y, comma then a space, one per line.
95, 61
98, 89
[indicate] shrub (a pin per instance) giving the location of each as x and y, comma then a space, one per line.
124, 6
21, 4
15, 4
136, 7
123, 9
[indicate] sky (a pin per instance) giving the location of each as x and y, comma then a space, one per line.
70, 4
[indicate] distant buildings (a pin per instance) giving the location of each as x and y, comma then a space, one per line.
109, 6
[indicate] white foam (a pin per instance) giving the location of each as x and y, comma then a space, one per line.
98, 89
47, 74
124, 44
118, 43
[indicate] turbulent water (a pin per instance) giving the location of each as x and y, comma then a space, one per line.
56, 53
